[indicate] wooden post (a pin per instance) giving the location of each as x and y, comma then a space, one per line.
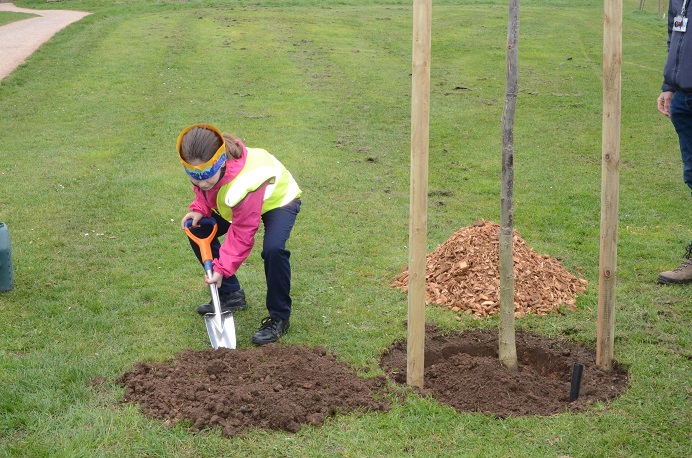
418, 219
612, 64
507, 347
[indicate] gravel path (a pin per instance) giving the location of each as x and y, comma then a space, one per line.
19, 39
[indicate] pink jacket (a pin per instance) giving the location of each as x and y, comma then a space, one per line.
247, 216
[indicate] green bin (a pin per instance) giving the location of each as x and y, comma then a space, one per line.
6, 271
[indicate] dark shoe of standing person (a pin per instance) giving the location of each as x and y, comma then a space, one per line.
680, 275
231, 302
271, 328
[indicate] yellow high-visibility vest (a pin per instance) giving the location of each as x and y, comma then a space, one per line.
260, 168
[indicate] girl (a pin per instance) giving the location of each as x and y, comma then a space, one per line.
238, 187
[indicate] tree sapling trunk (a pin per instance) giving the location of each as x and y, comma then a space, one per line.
507, 343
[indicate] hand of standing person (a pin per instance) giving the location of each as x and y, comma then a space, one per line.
664, 103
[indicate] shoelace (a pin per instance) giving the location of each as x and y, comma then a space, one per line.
268, 322
684, 265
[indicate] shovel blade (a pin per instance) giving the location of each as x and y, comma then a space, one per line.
221, 334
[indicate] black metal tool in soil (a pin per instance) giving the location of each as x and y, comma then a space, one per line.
575, 383
220, 326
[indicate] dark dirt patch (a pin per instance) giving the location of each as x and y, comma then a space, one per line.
463, 371
272, 387
284, 387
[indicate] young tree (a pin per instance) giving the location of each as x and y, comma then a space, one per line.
507, 344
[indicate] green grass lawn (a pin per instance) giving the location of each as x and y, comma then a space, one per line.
7, 17
92, 193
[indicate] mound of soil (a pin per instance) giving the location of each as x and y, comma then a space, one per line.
463, 371
272, 387
463, 275
285, 387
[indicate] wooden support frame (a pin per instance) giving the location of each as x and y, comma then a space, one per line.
418, 219
610, 176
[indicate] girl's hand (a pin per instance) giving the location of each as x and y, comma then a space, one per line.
194, 216
216, 278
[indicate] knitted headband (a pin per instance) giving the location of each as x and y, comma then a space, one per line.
213, 165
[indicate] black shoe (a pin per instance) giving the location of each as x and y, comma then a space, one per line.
270, 330
231, 302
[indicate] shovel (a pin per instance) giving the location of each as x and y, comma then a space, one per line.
220, 326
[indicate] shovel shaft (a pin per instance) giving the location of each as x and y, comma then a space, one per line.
220, 335
215, 299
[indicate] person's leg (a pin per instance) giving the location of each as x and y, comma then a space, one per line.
231, 295
681, 116
278, 224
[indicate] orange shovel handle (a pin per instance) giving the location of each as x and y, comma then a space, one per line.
204, 244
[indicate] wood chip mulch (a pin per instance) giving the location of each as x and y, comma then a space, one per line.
463, 275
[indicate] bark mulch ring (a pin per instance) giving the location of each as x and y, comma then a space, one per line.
463, 371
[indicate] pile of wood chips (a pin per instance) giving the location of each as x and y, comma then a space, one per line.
463, 275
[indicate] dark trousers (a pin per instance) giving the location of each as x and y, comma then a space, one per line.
278, 224
681, 116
